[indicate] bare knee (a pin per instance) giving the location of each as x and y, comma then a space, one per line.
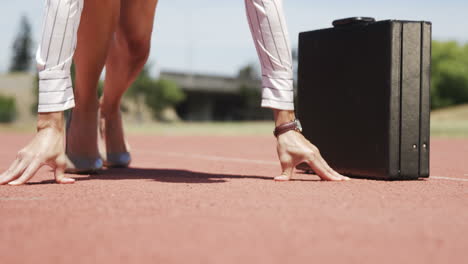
137, 48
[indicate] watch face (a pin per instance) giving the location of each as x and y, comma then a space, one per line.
299, 126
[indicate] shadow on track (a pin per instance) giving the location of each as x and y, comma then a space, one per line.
163, 175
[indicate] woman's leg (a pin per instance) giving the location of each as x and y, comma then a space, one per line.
98, 24
127, 55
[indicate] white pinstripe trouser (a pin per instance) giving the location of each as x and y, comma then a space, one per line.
268, 27
55, 54
62, 18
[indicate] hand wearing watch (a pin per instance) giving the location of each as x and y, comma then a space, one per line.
283, 128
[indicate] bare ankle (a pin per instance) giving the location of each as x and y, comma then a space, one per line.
86, 107
109, 109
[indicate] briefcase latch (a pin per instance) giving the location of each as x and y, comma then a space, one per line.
351, 21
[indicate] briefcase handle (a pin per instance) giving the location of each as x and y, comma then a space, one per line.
351, 21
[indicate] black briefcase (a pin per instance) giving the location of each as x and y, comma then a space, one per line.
363, 96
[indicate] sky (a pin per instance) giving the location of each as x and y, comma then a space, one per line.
212, 36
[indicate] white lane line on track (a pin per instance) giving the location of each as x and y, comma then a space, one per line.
253, 161
448, 178
21, 198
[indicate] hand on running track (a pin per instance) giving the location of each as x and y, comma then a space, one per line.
293, 148
47, 148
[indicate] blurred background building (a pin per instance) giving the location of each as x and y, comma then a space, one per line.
214, 97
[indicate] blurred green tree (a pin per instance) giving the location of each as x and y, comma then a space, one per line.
22, 46
156, 94
7, 109
163, 94
449, 74
248, 73
251, 94
35, 91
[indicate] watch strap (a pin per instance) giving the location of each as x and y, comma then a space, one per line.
283, 128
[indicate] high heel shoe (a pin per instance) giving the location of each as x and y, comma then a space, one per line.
111, 159
118, 160
77, 164
82, 165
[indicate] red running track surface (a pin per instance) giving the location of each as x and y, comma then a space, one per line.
212, 200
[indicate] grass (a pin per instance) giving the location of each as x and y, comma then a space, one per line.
203, 128
449, 129
448, 123
445, 128
176, 129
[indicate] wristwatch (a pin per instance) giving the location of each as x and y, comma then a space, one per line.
283, 128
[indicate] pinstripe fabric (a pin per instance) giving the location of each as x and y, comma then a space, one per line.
268, 27
55, 54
